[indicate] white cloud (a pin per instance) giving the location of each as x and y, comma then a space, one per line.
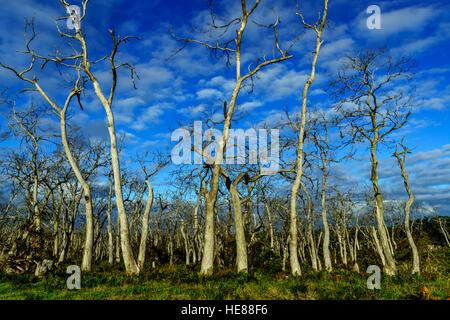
410, 19
150, 115
208, 94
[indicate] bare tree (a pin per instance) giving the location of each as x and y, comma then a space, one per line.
320, 140
257, 64
61, 112
106, 101
25, 126
293, 245
161, 163
373, 109
401, 156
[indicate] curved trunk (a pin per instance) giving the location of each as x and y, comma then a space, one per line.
129, 261
293, 236
408, 204
293, 245
89, 240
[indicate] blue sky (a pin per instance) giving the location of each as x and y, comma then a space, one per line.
176, 90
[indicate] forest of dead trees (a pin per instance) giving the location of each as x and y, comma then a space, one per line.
69, 198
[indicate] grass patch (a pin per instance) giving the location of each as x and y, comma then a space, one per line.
180, 282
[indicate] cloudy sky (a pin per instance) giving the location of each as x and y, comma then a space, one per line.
176, 90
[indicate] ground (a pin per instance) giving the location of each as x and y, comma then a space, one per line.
180, 282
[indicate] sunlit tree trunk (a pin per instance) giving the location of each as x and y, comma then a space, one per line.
293, 245
408, 204
241, 243
390, 267
86, 263
143, 244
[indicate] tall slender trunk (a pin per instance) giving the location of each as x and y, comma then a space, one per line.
207, 265
241, 243
326, 228
197, 240
293, 245
355, 252
185, 241
408, 204
390, 267
378, 246
56, 238
37, 213
86, 263
129, 261
269, 216
143, 244
109, 225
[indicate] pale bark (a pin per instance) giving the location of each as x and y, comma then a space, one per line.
109, 225
143, 244
197, 238
269, 216
378, 246
86, 263
241, 243
444, 232
207, 265
408, 204
293, 245
129, 261
186, 241
390, 267
326, 228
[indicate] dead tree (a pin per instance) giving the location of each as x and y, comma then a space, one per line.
401, 157
228, 48
293, 244
161, 163
373, 109
61, 112
84, 66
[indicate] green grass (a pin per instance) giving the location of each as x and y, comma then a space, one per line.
179, 282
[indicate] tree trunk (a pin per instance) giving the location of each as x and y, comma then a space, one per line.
143, 244
326, 228
241, 243
408, 204
378, 246
293, 245
129, 261
86, 263
390, 267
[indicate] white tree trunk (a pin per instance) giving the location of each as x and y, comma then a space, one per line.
143, 244
86, 263
241, 243
408, 204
